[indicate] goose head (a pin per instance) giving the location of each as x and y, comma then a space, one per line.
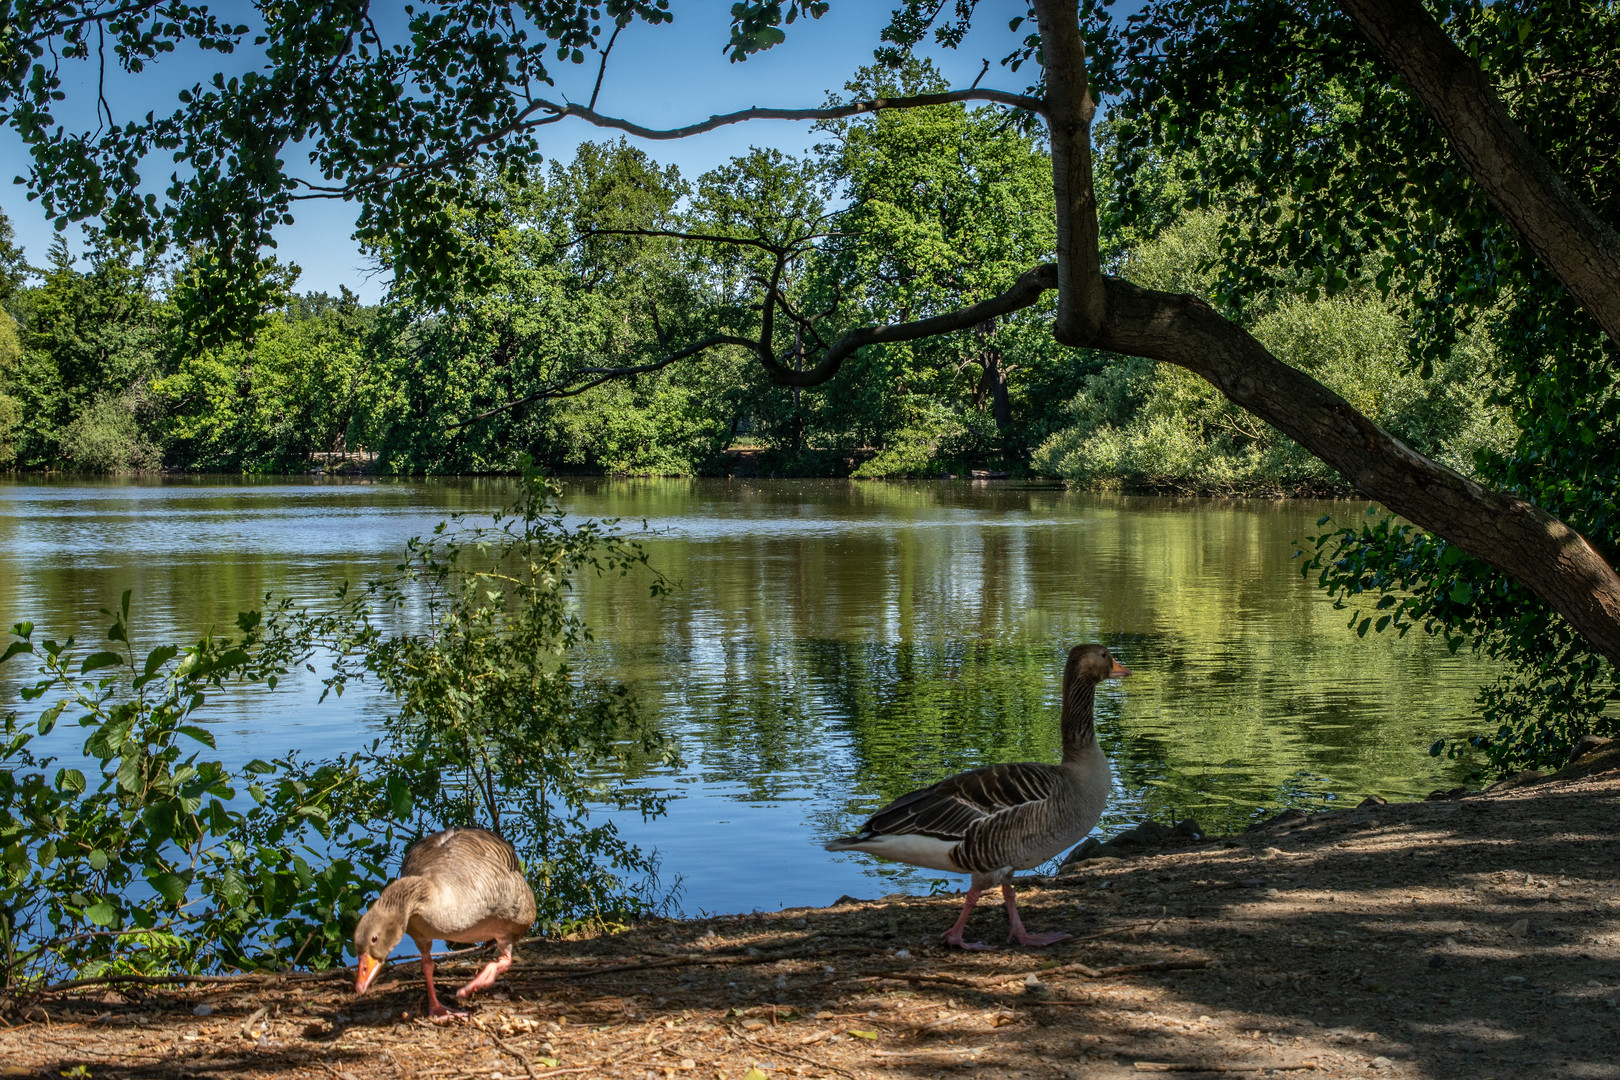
380, 929
1094, 663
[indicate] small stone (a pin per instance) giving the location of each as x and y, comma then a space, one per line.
1519, 929
753, 1025
1272, 894
1381, 1062
902, 954
1033, 982
1371, 801
1271, 852
203, 1010
1437, 961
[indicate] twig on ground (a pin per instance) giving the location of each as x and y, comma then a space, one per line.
528, 1066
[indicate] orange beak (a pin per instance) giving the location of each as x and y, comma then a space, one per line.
1120, 671
367, 971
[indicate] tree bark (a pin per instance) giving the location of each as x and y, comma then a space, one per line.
1522, 186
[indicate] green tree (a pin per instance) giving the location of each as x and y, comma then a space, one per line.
92, 343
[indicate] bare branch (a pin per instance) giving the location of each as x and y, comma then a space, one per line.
603, 374
601, 71
1024, 292
708, 238
835, 112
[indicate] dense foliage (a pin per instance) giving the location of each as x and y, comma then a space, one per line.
139, 851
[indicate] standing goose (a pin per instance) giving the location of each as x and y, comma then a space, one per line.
460, 885
993, 821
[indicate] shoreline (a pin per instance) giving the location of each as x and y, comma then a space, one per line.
1463, 936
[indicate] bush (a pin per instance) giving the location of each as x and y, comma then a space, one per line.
162, 859
107, 437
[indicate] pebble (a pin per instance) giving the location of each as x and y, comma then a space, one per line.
203, 1010
902, 954
1381, 1062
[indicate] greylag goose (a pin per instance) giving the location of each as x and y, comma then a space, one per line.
993, 821
462, 885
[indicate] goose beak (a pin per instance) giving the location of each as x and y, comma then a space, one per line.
367, 971
1119, 671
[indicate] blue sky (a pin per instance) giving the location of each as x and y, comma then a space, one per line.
660, 76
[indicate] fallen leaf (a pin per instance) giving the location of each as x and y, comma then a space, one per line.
863, 1034
548, 1062
756, 1073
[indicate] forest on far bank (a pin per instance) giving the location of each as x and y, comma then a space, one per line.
600, 260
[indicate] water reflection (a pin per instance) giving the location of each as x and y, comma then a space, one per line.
832, 645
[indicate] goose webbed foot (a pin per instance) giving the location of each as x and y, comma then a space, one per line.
1016, 932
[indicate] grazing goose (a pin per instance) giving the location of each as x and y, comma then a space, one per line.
993, 821
460, 885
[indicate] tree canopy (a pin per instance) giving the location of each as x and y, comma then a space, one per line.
1450, 165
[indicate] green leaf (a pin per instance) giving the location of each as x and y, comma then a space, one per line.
157, 658
48, 718
399, 798
1461, 593
172, 887
98, 859
16, 647
97, 661
102, 914
202, 735
70, 780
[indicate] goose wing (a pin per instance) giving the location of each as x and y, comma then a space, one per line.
455, 853
962, 804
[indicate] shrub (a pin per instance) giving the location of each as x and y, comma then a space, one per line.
157, 858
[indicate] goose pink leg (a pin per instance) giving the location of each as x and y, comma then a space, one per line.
1017, 934
492, 971
953, 936
435, 1009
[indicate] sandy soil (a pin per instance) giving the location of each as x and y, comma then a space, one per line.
1470, 937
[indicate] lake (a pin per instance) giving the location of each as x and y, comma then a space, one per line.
831, 644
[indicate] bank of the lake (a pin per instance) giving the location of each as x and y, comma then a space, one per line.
832, 644
1444, 940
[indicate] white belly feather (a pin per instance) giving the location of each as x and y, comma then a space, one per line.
925, 851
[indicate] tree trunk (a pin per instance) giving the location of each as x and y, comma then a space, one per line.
1509, 533
1522, 186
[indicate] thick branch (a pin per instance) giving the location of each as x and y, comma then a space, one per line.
603, 374
1515, 536
1520, 184
1069, 111
1024, 292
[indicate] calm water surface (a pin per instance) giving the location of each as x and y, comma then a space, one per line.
831, 645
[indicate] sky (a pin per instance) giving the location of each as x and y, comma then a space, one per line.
660, 76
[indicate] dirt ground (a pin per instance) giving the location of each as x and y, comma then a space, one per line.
1473, 937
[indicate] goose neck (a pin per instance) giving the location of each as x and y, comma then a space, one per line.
1079, 723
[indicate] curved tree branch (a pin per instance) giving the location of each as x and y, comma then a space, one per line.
1024, 292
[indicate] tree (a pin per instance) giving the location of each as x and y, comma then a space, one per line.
465, 86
